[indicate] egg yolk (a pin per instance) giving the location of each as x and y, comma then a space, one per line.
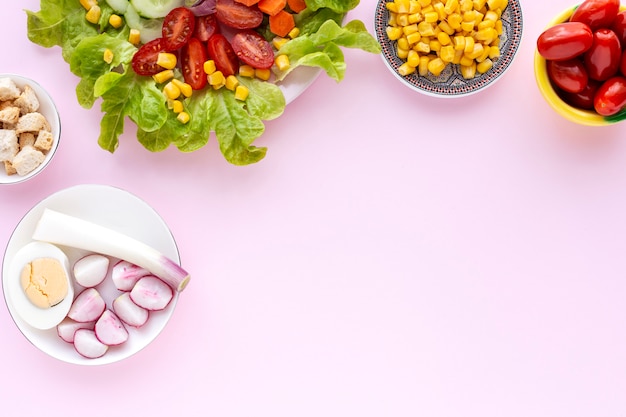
44, 282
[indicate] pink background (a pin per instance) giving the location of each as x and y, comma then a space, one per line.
393, 255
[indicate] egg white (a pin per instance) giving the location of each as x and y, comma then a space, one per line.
34, 316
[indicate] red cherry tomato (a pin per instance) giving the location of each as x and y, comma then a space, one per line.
221, 51
253, 49
144, 61
603, 58
564, 41
206, 26
583, 99
237, 15
619, 27
570, 75
622, 64
611, 96
596, 13
193, 57
178, 27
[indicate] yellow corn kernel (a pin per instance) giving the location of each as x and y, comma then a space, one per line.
484, 66
392, 21
115, 21
436, 66
494, 52
466, 5
166, 60
431, 17
451, 6
134, 37
413, 58
293, 33
394, 33
425, 29
183, 117
392, 6
282, 62
498, 27
440, 9
414, 7
171, 91
407, 30
163, 76
459, 43
494, 4
217, 78
403, 43
423, 66
429, 8
402, 19
93, 15
108, 56
454, 20
231, 82
469, 44
241, 92
447, 53
176, 105
457, 57
423, 47
415, 17
486, 35
209, 67
485, 24
484, 55
413, 38
246, 71
468, 71
446, 28
402, 53
434, 45
88, 4
278, 42
467, 26
403, 6
476, 52
424, 3
184, 88
444, 38
405, 69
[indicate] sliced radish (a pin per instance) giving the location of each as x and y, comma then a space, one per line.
87, 306
129, 312
68, 327
87, 344
110, 330
151, 293
91, 270
125, 274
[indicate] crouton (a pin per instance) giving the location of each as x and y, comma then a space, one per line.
44, 141
32, 122
8, 144
26, 139
5, 104
27, 101
8, 89
27, 160
9, 168
10, 115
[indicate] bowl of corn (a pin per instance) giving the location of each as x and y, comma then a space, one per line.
448, 48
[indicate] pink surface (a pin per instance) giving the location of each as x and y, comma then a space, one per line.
393, 255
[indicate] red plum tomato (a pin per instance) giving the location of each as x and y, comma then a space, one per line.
570, 75
145, 59
583, 99
610, 98
221, 51
178, 27
622, 64
237, 15
619, 27
193, 57
596, 13
206, 26
253, 49
564, 41
603, 58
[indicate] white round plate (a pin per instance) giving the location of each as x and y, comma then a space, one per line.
450, 83
118, 210
298, 81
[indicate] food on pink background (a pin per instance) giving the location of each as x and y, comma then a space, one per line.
129, 312
151, 293
91, 270
125, 275
45, 282
68, 327
87, 344
110, 330
87, 306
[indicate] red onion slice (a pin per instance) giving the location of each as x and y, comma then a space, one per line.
203, 7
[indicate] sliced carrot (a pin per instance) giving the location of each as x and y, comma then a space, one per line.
296, 6
282, 23
247, 2
272, 7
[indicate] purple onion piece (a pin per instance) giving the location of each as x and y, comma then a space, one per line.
203, 7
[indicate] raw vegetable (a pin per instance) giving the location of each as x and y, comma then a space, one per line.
122, 93
68, 327
87, 344
91, 270
129, 312
110, 330
87, 306
151, 293
125, 274
62, 229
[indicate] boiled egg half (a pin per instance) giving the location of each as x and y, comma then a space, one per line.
40, 287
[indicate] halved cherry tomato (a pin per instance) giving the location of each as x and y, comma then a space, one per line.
145, 59
238, 15
622, 64
596, 13
583, 99
221, 51
178, 27
564, 41
619, 27
570, 75
206, 26
253, 49
611, 96
603, 58
193, 57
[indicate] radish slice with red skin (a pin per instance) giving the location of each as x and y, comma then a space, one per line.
151, 293
125, 274
87, 306
110, 330
129, 312
87, 344
68, 327
91, 270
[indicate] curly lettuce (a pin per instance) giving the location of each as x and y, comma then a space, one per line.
125, 95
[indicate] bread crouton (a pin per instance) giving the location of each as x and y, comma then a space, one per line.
44, 141
27, 160
5, 104
10, 115
32, 122
26, 139
8, 89
8, 144
27, 101
9, 168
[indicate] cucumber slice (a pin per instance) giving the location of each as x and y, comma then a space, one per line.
155, 8
119, 6
149, 29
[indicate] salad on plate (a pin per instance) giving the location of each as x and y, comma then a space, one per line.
182, 69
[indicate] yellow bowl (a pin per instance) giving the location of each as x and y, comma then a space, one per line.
583, 117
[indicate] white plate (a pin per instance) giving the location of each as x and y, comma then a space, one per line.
298, 81
118, 210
